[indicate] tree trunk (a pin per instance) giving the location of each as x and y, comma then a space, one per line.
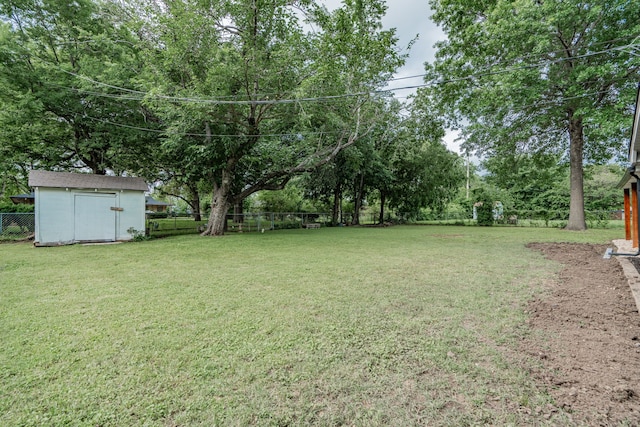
219, 207
195, 208
194, 203
576, 148
337, 198
383, 199
238, 213
358, 195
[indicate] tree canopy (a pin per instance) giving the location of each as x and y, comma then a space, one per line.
241, 100
53, 114
228, 98
553, 77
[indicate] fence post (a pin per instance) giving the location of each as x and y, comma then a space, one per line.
1, 223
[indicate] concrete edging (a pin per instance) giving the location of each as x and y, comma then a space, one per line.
629, 270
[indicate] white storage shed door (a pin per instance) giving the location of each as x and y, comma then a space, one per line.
94, 219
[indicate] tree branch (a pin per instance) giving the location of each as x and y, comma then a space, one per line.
308, 164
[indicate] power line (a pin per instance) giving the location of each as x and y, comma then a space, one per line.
168, 132
293, 134
561, 51
215, 101
141, 95
530, 66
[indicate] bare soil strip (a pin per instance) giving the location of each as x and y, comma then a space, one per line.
586, 337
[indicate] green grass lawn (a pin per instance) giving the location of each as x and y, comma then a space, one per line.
403, 325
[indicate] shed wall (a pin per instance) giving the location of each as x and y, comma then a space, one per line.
65, 216
132, 214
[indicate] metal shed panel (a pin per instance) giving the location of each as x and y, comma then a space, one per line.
94, 221
131, 216
54, 216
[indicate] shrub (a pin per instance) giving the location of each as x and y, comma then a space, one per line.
157, 215
484, 207
485, 213
138, 236
10, 207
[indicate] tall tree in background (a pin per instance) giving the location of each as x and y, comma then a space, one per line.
529, 76
263, 98
402, 159
424, 172
526, 177
332, 183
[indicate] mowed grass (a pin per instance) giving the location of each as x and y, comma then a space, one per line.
406, 325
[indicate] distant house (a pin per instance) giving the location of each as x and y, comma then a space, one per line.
153, 205
24, 199
629, 182
75, 207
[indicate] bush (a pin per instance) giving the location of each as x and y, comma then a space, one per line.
137, 235
10, 207
597, 219
157, 215
484, 207
485, 213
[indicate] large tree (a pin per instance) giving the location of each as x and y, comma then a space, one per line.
539, 76
403, 161
262, 96
526, 177
424, 172
52, 54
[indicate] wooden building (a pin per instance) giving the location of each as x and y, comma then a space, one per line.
153, 205
629, 182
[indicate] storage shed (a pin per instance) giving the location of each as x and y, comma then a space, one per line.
75, 207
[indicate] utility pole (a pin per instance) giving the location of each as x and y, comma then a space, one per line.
468, 175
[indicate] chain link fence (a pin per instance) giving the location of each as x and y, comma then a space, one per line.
257, 222
276, 221
239, 223
21, 226
519, 218
17, 226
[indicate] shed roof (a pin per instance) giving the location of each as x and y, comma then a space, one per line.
38, 178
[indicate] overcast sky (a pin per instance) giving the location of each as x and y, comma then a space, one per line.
410, 18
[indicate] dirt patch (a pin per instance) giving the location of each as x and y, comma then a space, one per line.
586, 337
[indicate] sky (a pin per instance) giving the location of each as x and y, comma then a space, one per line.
411, 18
